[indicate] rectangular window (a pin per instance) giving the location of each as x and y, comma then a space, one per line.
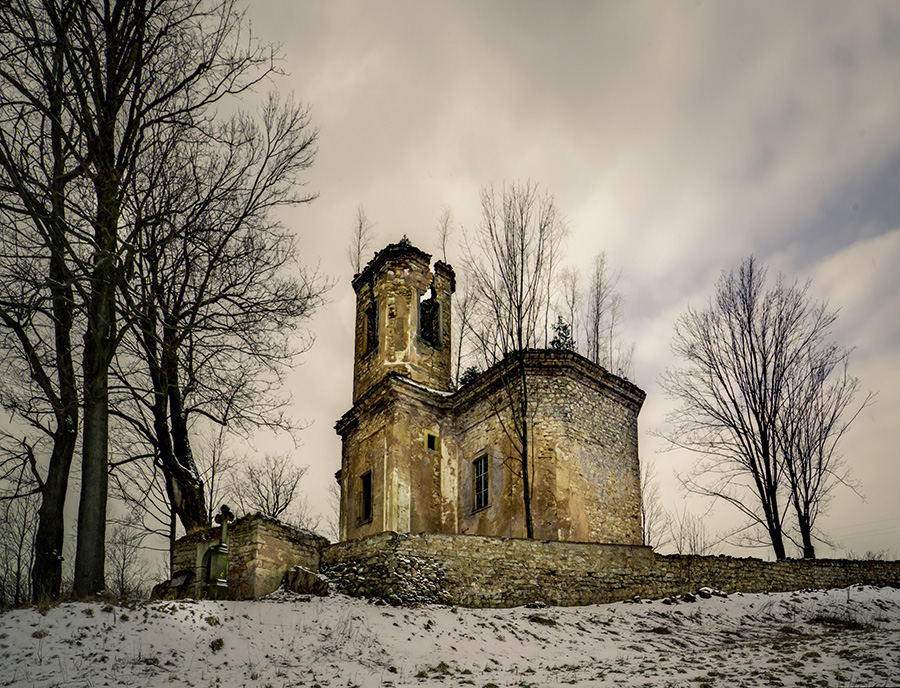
365, 497
372, 328
431, 441
480, 482
430, 319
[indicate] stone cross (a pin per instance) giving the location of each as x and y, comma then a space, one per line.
217, 587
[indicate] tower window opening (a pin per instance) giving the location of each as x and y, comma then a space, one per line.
431, 441
371, 328
430, 319
365, 497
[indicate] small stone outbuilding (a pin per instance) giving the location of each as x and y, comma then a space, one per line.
260, 552
420, 457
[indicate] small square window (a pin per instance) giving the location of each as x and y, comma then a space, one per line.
480, 482
431, 441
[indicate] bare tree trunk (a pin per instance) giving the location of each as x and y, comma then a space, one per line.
99, 346
523, 438
191, 503
518, 239
40, 188
46, 575
361, 240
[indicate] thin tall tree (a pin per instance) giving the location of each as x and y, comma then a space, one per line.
509, 265
810, 426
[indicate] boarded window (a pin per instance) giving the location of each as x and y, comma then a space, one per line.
365, 497
480, 482
430, 320
371, 328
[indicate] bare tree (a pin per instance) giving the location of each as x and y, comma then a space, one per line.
270, 486
125, 563
218, 291
91, 88
18, 526
742, 358
444, 229
509, 266
599, 298
554, 247
219, 468
602, 320
38, 167
332, 525
655, 522
571, 297
810, 426
594, 315
689, 534
361, 240
463, 307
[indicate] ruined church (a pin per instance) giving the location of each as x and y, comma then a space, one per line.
421, 457
429, 499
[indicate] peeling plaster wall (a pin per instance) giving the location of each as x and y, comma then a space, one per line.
586, 481
584, 456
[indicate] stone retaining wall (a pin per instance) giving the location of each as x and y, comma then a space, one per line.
477, 571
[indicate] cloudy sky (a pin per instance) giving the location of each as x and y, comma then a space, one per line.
679, 137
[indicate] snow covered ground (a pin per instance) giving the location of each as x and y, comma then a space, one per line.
845, 637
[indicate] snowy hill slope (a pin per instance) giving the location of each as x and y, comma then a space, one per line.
841, 637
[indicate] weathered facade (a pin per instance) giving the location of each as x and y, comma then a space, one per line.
420, 458
430, 508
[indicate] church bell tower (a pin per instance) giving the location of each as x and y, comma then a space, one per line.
403, 319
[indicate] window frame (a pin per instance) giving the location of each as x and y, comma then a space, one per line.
429, 436
481, 490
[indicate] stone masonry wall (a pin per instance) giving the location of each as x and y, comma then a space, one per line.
260, 551
477, 571
591, 432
